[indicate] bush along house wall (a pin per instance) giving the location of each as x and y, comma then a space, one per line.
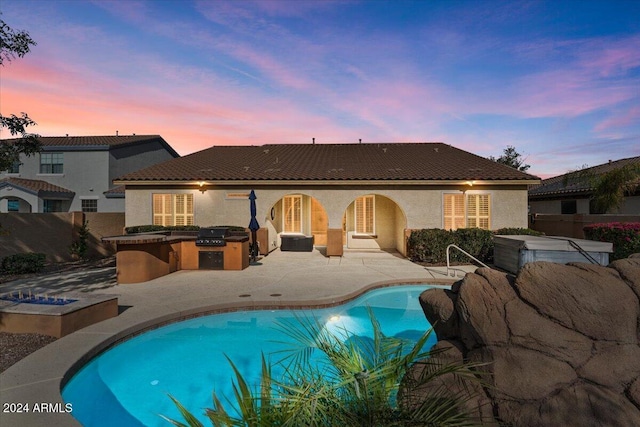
625, 237
430, 245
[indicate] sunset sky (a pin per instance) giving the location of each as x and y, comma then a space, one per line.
559, 80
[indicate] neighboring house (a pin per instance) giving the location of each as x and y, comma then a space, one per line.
571, 193
357, 195
75, 173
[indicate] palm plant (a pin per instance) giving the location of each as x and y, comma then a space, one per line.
608, 190
611, 188
337, 378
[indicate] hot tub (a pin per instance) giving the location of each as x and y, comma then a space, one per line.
513, 252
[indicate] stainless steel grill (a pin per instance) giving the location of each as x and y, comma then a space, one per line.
212, 236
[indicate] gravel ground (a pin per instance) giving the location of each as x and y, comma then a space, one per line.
15, 347
62, 267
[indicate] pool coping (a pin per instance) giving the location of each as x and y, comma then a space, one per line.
40, 377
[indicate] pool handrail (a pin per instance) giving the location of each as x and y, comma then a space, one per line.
464, 252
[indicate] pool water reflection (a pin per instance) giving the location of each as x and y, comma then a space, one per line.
129, 384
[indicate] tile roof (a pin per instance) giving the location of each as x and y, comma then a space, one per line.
106, 142
35, 186
115, 192
577, 182
329, 162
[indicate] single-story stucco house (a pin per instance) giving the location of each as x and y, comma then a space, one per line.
363, 195
571, 192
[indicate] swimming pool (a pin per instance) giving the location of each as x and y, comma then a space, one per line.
129, 384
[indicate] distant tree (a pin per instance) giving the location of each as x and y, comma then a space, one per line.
15, 44
609, 189
512, 158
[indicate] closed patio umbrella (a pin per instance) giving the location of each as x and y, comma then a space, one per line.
253, 225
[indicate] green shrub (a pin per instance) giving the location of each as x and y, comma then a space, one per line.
23, 263
234, 228
429, 245
625, 237
79, 247
151, 228
518, 231
476, 241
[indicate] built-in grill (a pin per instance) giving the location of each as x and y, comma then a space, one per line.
212, 236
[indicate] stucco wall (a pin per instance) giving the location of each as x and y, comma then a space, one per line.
631, 206
554, 207
422, 205
89, 173
130, 158
85, 172
386, 225
28, 201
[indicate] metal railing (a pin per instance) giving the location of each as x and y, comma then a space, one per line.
584, 253
464, 252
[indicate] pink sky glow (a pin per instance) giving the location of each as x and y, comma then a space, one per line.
474, 75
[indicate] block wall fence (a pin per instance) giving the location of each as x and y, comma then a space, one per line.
53, 233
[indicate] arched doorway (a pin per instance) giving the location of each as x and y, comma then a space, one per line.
374, 221
14, 204
299, 214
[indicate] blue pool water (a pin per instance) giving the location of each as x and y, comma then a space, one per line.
129, 384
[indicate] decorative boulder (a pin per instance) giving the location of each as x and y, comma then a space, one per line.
560, 343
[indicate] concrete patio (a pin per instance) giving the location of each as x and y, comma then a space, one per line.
282, 279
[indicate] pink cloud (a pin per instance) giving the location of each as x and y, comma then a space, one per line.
609, 58
569, 78
566, 93
631, 116
268, 65
191, 111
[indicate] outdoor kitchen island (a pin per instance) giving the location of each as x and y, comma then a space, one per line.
144, 257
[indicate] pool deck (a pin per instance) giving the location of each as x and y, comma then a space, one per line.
279, 280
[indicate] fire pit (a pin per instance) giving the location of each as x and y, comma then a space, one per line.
55, 315
36, 299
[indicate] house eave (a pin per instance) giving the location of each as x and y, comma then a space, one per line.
54, 148
245, 183
56, 195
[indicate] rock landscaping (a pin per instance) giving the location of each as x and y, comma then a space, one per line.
561, 343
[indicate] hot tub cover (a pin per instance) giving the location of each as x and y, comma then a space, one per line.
552, 243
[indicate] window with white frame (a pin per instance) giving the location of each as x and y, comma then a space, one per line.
454, 211
89, 205
292, 206
173, 209
51, 162
467, 210
15, 167
478, 211
364, 211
